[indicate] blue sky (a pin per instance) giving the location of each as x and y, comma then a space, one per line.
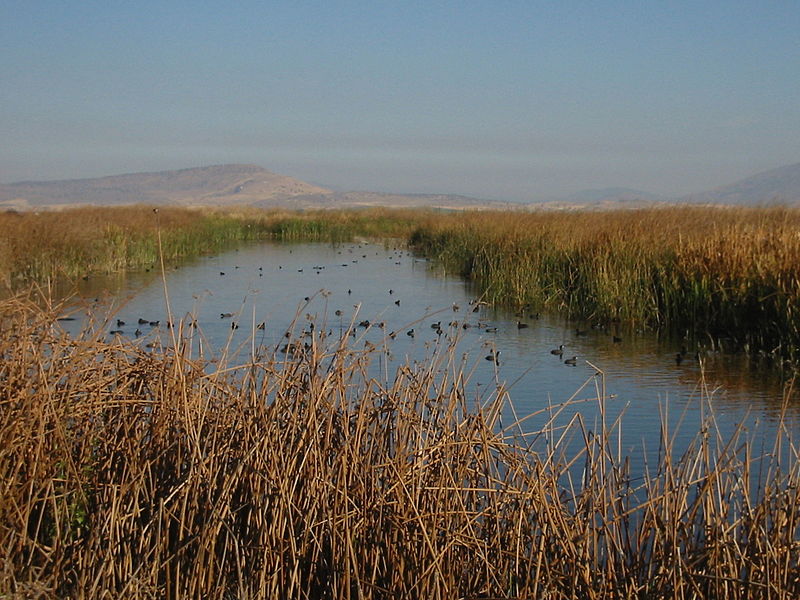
506, 100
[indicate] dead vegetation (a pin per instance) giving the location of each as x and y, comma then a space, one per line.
130, 472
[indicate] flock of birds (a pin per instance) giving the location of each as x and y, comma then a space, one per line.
475, 317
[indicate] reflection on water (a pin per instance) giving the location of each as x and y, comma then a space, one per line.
253, 295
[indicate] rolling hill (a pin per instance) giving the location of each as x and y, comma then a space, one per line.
781, 185
219, 185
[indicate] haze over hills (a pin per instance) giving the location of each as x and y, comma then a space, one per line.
781, 185
223, 185
218, 185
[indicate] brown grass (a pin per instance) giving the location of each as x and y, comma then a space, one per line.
130, 472
731, 273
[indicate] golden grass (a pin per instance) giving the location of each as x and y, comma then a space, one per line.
732, 273
76, 243
137, 473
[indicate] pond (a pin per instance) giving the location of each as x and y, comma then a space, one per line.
251, 296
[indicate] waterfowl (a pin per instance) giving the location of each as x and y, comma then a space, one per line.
410, 333
261, 325
338, 313
579, 331
154, 323
571, 361
137, 333
397, 302
494, 356
558, 351
521, 325
143, 321
116, 332
225, 315
437, 325
120, 323
234, 325
221, 273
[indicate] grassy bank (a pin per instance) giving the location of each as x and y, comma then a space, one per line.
733, 273
79, 242
130, 472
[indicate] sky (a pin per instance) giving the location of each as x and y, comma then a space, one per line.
499, 99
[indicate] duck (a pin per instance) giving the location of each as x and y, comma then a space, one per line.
571, 361
494, 356
558, 351
410, 333
521, 325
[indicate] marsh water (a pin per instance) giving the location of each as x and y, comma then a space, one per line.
403, 297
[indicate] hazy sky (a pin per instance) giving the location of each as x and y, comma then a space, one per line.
501, 99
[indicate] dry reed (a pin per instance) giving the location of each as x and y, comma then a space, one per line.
130, 472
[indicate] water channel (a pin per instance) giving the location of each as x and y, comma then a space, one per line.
336, 287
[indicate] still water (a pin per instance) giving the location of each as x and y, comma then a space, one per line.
290, 286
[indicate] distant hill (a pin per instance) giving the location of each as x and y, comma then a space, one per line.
609, 196
218, 185
389, 200
781, 185
210, 186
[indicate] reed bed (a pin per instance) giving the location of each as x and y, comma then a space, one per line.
80, 242
141, 472
729, 273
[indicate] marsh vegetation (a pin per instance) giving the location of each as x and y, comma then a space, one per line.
299, 470
136, 472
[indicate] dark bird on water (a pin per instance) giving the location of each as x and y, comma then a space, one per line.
571, 361
494, 356
558, 351
521, 325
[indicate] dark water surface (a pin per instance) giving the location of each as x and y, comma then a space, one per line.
269, 283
